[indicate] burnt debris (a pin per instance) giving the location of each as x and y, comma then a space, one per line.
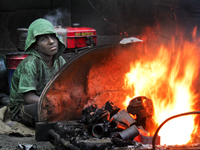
102, 128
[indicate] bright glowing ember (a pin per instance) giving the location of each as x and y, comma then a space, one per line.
166, 75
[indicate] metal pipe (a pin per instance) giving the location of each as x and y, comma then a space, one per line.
116, 125
129, 133
172, 117
64, 142
98, 130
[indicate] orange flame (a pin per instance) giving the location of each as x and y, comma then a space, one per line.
166, 75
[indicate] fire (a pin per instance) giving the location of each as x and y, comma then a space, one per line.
166, 75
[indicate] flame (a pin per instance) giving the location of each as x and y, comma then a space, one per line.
166, 75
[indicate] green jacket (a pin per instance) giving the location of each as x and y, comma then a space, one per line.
32, 73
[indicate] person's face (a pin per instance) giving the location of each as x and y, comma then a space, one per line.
47, 44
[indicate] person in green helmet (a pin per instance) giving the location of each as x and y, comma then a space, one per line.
44, 49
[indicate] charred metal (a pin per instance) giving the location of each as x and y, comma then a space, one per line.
102, 128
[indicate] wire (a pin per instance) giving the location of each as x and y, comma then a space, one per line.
175, 116
117, 28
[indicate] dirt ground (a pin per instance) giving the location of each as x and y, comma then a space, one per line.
16, 136
8, 142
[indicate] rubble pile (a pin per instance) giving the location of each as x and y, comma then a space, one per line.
104, 128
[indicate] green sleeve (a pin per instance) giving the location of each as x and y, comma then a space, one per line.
28, 78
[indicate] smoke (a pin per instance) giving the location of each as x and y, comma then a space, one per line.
58, 17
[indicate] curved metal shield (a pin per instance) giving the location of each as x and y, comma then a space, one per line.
95, 76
